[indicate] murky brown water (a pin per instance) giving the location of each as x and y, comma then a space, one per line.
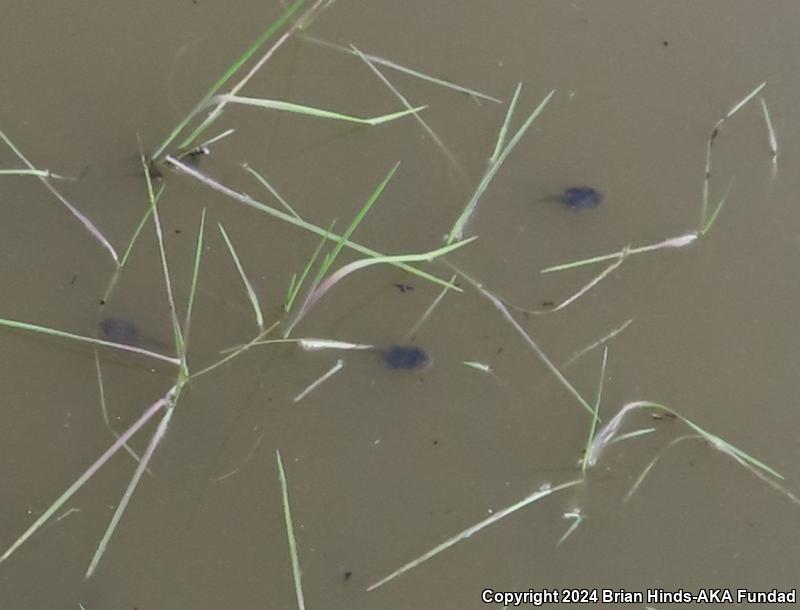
384, 465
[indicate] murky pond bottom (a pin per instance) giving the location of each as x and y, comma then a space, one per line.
454, 420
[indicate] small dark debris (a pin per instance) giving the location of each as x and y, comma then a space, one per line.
102, 301
74, 279
548, 304
404, 288
406, 357
665, 43
436, 441
178, 231
346, 575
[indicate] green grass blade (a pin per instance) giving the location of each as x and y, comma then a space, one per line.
45, 330
315, 112
247, 200
287, 515
251, 293
232, 69
460, 224
501, 136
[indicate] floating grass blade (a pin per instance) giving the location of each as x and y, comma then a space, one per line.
773, 139
674, 242
251, 293
577, 517
501, 136
709, 144
41, 173
317, 293
478, 366
232, 69
44, 330
603, 438
315, 345
84, 220
287, 515
319, 381
315, 112
81, 481
288, 218
461, 223
272, 190
123, 504
593, 427
395, 66
545, 491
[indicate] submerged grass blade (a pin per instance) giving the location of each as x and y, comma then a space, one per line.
84, 220
81, 481
198, 252
123, 504
232, 69
460, 224
287, 515
593, 427
533, 345
315, 112
397, 67
272, 190
577, 517
176, 327
495, 517
288, 218
251, 293
297, 283
434, 136
44, 330
582, 352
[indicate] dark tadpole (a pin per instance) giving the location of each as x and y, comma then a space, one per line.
578, 197
406, 358
119, 330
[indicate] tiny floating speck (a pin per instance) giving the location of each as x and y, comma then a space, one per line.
406, 358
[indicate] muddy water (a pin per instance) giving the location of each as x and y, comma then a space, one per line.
383, 465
